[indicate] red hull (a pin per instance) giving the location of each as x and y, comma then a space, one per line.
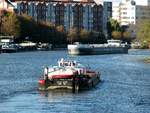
61, 76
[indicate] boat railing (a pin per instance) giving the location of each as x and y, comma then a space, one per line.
65, 63
99, 45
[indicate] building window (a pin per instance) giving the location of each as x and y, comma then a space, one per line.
132, 17
132, 8
124, 12
132, 22
124, 8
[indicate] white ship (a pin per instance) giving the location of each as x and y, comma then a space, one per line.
112, 47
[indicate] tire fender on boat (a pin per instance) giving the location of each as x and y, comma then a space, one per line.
76, 86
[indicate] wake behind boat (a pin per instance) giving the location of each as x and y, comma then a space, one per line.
69, 74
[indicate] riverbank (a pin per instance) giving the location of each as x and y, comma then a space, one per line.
147, 60
29, 46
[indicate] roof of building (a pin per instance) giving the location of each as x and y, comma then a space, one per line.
10, 3
66, 1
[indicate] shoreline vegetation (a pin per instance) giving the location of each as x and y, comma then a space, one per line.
25, 28
147, 60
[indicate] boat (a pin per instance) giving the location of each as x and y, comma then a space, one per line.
44, 46
7, 44
112, 47
9, 48
68, 74
0, 48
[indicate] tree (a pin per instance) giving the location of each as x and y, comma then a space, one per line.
132, 31
113, 25
60, 28
72, 35
116, 35
2, 14
11, 25
29, 28
127, 37
37, 31
84, 36
143, 33
60, 35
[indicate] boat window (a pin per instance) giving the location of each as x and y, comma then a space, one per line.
51, 69
114, 41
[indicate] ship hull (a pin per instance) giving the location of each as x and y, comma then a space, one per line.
74, 84
9, 50
69, 75
96, 50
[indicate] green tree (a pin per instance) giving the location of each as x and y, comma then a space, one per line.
143, 33
113, 25
11, 25
29, 28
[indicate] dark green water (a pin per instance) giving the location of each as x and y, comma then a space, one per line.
125, 86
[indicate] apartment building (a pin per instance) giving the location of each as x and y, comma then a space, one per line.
124, 12
7, 5
85, 14
142, 13
107, 14
130, 11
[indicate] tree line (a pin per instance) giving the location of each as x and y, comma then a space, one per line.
24, 27
116, 31
143, 33
139, 32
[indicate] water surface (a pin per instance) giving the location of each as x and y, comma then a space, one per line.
125, 86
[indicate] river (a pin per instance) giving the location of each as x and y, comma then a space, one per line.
125, 86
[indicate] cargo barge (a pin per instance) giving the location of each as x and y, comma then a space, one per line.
112, 47
68, 75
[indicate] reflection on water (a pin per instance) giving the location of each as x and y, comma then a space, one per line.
54, 94
125, 86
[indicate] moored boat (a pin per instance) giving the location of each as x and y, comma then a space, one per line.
69, 75
44, 46
112, 47
9, 48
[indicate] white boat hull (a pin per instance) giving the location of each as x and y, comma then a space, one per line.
78, 50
